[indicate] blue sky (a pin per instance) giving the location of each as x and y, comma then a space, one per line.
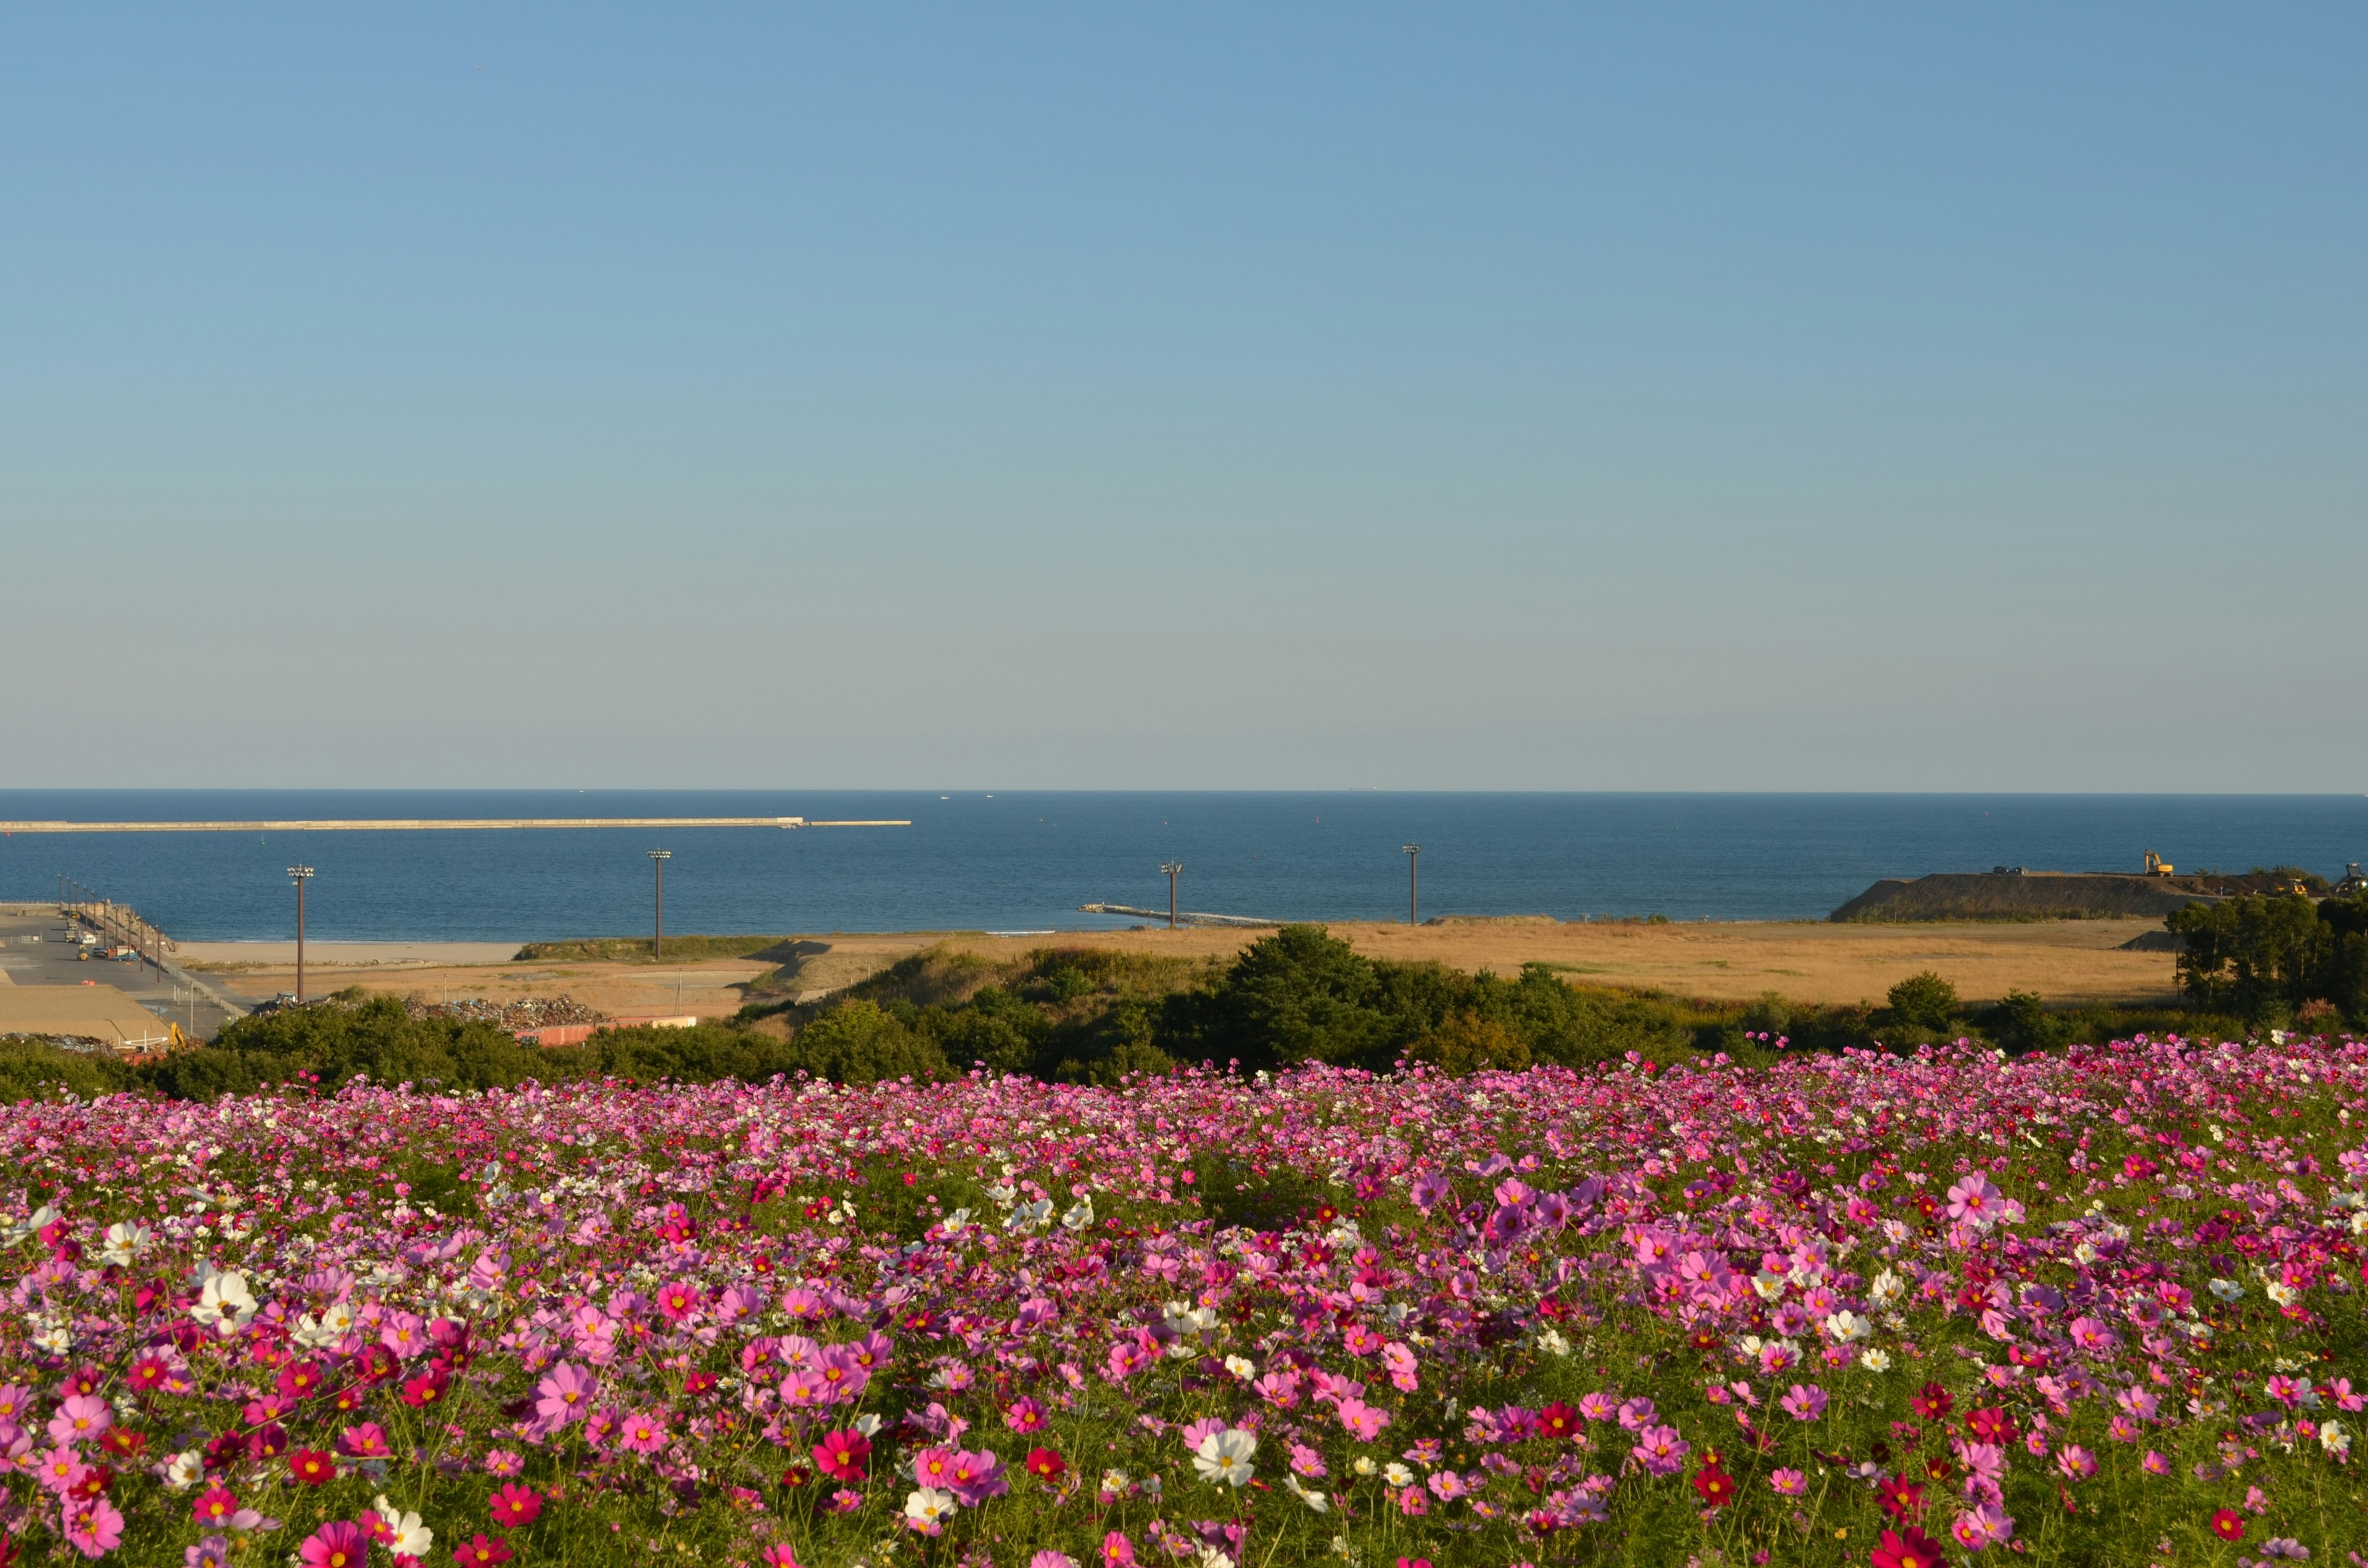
1418, 397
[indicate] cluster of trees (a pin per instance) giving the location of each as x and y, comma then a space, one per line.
1296, 995
2276, 959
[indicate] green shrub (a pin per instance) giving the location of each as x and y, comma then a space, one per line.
1925, 1001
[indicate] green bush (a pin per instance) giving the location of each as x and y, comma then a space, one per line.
1924, 1001
36, 1069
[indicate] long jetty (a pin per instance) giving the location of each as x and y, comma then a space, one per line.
412, 825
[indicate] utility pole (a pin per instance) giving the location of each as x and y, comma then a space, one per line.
1413, 882
1172, 868
658, 858
299, 875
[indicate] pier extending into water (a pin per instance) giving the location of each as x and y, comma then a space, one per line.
407, 825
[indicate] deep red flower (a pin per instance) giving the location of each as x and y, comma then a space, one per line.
2228, 1525
312, 1466
1558, 1420
1045, 1464
1907, 1548
1898, 1497
1716, 1487
426, 1389
1991, 1426
844, 1455
484, 1552
1931, 1401
514, 1505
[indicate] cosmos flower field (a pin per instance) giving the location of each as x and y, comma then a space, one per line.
2099, 1307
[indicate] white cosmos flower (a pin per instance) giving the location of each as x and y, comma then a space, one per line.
1080, 1215
2227, 1290
1241, 1367
412, 1538
225, 1302
1848, 1328
184, 1470
127, 1242
1887, 1288
1316, 1499
19, 1229
1874, 1360
1224, 1457
929, 1506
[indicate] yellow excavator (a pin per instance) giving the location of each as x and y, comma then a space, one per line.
2157, 866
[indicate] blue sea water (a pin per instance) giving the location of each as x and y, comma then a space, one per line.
1024, 861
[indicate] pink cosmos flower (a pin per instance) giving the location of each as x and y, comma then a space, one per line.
1804, 1404
81, 1419
1983, 1526
1024, 1415
1118, 1552
514, 1505
337, 1544
643, 1432
1660, 1450
1363, 1421
58, 1470
94, 1527
1788, 1483
564, 1396
1973, 1198
364, 1440
977, 1476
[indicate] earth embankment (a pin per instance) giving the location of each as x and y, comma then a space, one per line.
2020, 895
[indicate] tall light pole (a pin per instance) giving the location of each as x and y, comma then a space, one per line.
658, 858
1172, 868
299, 875
1413, 882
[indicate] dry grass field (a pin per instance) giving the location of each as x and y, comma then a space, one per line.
2064, 961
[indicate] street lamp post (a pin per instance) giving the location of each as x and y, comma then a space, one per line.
299, 875
1413, 882
658, 858
1172, 868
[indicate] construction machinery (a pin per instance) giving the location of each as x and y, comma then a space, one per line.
2155, 865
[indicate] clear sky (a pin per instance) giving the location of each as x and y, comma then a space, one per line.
1898, 397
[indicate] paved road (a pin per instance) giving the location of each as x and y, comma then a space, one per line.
39, 949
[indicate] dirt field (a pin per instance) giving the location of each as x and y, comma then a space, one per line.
2073, 961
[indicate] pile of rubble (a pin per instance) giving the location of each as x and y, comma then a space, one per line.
86, 1044
527, 1012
